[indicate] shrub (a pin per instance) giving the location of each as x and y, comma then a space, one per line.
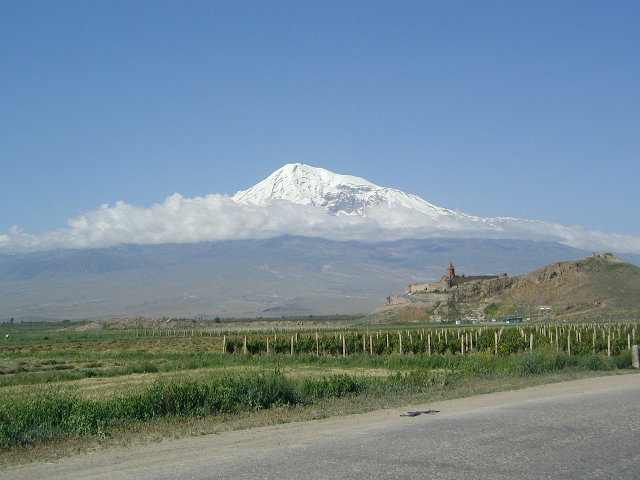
511, 341
623, 360
595, 362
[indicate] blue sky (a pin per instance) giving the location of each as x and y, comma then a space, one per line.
524, 109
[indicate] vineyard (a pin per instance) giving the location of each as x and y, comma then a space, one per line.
609, 339
61, 383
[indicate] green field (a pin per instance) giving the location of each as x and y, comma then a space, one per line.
58, 383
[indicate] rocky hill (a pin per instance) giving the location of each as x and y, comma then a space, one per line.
598, 286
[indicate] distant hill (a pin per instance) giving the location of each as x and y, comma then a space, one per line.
303, 241
282, 276
599, 286
602, 279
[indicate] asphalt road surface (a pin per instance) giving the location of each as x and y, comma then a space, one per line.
585, 429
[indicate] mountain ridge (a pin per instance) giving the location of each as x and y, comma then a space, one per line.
289, 275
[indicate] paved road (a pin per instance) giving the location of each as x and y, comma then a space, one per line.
574, 430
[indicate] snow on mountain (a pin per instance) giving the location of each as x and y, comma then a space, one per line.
298, 199
337, 194
349, 195
392, 213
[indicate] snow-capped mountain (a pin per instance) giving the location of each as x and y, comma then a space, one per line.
387, 213
337, 194
350, 195
298, 199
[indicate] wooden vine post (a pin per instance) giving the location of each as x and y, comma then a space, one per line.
224, 344
495, 336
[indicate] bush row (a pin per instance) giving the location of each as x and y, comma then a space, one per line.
45, 416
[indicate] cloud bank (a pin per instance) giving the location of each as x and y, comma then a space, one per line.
217, 217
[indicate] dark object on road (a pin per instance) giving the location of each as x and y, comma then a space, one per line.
418, 412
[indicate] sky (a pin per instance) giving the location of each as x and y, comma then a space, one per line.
522, 109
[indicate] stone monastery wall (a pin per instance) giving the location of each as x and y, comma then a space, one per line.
448, 282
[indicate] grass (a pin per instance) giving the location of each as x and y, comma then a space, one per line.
62, 394
40, 416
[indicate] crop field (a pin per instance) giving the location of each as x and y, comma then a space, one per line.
58, 382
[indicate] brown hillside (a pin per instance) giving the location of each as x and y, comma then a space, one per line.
595, 285
601, 279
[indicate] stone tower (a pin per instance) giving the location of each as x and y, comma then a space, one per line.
451, 271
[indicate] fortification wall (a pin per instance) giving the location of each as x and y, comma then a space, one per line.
447, 284
425, 287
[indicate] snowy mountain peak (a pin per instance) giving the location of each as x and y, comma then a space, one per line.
335, 193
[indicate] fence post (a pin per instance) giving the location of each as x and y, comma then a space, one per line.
635, 356
224, 344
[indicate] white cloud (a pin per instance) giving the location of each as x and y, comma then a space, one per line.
217, 217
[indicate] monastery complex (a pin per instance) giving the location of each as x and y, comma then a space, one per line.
448, 282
